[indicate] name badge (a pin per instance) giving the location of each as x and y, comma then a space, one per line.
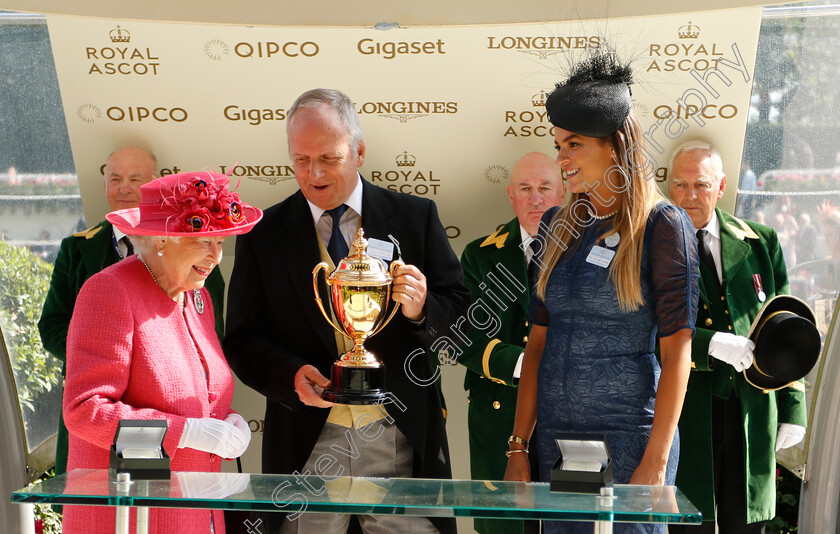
600, 256
384, 250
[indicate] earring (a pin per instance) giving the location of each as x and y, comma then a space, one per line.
160, 252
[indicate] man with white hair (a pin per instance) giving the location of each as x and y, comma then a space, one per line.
279, 344
729, 429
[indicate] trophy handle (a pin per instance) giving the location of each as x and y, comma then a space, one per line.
394, 266
323, 266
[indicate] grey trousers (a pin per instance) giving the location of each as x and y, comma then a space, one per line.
348, 454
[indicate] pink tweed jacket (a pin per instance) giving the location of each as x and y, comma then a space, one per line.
132, 353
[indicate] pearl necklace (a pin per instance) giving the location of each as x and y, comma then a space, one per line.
602, 217
180, 300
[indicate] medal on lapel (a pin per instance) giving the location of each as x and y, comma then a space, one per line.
759, 289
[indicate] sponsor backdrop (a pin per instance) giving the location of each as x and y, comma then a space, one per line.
446, 111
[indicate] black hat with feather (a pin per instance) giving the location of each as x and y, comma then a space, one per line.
596, 98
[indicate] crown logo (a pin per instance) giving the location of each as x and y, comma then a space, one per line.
538, 100
119, 35
405, 160
689, 31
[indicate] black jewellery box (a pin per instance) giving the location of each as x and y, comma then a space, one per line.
584, 464
138, 450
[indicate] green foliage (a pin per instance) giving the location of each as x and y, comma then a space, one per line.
24, 281
47, 519
788, 488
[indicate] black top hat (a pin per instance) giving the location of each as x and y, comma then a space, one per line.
787, 343
596, 98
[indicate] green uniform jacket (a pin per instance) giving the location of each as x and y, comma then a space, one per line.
747, 248
81, 256
498, 335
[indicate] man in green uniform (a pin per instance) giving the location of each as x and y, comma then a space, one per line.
729, 429
496, 272
84, 254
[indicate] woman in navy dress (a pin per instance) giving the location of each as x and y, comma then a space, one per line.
619, 270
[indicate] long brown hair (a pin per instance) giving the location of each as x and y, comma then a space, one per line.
638, 195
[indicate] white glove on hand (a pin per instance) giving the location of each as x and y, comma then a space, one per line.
789, 435
242, 426
212, 485
735, 350
222, 438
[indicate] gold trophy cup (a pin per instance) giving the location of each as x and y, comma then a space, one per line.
360, 293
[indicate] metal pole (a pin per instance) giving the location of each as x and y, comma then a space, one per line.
142, 520
606, 501
123, 512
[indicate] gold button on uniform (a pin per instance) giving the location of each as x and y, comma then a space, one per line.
729, 327
705, 307
525, 339
726, 312
708, 321
497, 405
722, 298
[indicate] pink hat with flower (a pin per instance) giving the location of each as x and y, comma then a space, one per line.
187, 204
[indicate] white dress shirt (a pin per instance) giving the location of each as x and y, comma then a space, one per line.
350, 221
529, 254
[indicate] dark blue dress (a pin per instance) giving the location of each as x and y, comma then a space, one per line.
598, 372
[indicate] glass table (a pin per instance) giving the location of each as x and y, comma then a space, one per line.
357, 495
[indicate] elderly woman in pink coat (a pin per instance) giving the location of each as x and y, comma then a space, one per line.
142, 344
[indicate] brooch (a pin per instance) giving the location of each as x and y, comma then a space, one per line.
198, 301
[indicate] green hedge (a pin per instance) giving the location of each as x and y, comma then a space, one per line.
24, 281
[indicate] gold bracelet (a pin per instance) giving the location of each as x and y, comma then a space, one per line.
517, 439
508, 453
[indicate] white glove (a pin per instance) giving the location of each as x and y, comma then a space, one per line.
789, 435
242, 425
212, 485
223, 438
735, 350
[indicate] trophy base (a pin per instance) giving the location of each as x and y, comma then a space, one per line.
356, 385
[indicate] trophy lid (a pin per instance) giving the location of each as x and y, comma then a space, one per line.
361, 269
